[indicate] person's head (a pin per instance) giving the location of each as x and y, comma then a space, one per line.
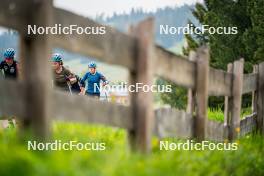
56, 61
92, 67
9, 55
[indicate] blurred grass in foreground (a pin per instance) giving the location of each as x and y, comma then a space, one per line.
117, 160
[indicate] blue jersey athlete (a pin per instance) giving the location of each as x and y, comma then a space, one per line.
93, 78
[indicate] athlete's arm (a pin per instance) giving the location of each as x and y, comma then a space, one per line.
1, 65
82, 84
102, 77
70, 76
1, 69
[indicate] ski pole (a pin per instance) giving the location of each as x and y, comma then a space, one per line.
106, 96
2, 74
69, 86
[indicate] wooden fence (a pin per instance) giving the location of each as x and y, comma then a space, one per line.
32, 99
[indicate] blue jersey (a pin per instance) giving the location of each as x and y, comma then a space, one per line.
93, 82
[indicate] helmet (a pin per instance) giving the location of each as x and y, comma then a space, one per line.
56, 57
92, 65
9, 53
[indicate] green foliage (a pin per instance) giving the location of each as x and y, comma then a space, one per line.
116, 160
247, 16
177, 98
217, 114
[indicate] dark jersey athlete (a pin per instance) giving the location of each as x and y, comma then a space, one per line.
9, 65
10, 71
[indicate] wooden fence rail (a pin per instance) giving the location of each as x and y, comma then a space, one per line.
137, 52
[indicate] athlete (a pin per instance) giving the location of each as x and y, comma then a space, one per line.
63, 78
9, 67
93, 78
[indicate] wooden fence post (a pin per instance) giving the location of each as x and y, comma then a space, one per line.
36, 69
254, 93
227, 114
202, 79
191, 92
260, 99
141, 102
236, 99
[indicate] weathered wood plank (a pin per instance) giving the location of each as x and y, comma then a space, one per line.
191, 92
83, 109
142, 102
219, 82
112, 47
236, 101
214, 130
36, 70
248, 124
249, 83
12, 98
254, 93
175, 68
13, 13
260, 99
202, 80
173, 123
227, 110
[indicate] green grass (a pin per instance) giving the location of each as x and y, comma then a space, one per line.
218, 115
215, 114
118, 161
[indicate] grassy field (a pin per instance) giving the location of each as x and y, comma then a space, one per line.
117, 160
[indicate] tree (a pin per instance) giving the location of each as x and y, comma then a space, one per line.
246, 15
248, 43
177, 98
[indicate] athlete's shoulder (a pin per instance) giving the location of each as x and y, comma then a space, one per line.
15, 63
98, 73
86, 75
1, 64
66, 71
